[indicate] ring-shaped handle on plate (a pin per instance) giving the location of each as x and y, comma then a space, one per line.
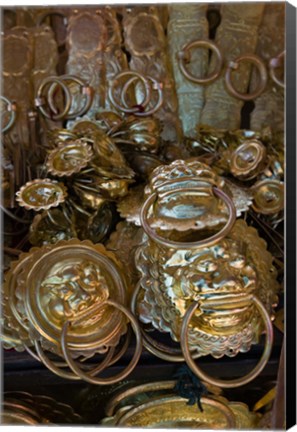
233, 65
40, 100
275, 63
116, 81
188, 245
86, 91
184, 57
121, 375
238, 382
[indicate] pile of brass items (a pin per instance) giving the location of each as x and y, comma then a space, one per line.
157, 405
20, 408
69, 299
143, 159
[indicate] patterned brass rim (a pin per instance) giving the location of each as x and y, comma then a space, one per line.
246, 159
235, 382
233, 65
41, 194
69, 158
184, 57
268, 196
175, 411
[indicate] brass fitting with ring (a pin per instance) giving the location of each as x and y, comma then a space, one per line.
238, 381
41, 101
233, 66
276, 63
184, 57
85, 90
11, 109
188, 245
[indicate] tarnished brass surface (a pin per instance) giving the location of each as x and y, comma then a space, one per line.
237, 35
185, 25
145, 40
269, 107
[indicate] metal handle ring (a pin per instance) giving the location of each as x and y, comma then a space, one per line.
184, 56
275, 63
238, 381
146, 100
116, 81
158, 349
11, 108
233, 65
123, 374
188, 245
156, 86
40, 100
56, 369
42, 18
86, 91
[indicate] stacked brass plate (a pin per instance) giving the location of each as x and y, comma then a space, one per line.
69, 299
20, 408
214, 289
156, 405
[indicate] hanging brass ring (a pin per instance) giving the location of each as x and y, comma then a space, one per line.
43, 16
123, 374
238, 381
115, 82
40, 100
188, 245
85, 90
11, 109
276, 63
233, 65
144, 103
184, 57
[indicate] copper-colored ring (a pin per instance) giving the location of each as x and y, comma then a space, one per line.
123, 374
274, 63
233, 65
156, 86
144, 103
115, 81
238, 381
11, 108
40, 101
86, 90
184, 56
160, 350
189, 245
42, 17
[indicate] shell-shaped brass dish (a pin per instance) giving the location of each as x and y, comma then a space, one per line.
41, 194
69, 158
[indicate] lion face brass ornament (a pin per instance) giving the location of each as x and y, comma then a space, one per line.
69, 299
214, 289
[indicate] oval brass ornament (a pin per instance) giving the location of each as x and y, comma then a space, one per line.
268, 196
41, 194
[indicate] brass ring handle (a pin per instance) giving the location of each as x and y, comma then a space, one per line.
189, 245
275, 63
184, 57
116, 81
146, 100
56, 369
233, 65
40, 100
160, 350
11, 108
86, 91
121, 375
156, 86
238, 381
